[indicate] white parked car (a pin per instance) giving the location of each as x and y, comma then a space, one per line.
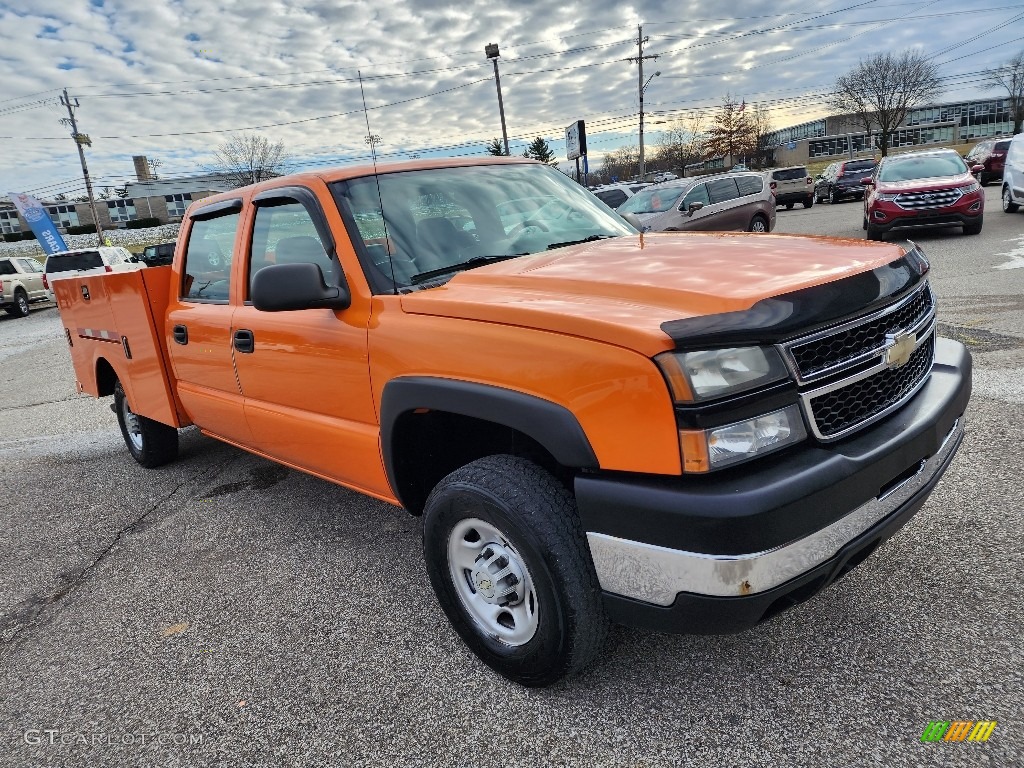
87, 261
614, 195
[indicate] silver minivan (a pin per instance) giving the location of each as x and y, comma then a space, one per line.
727, 201
1013, 175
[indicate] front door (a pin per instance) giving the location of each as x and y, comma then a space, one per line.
305, 374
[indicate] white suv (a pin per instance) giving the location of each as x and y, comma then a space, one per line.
1013, 175
87, 261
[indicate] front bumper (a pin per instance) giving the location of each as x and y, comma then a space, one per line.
723, 552
900, 219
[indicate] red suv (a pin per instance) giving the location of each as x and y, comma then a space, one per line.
932, 188
991, 155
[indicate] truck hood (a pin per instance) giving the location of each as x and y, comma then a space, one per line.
621, 290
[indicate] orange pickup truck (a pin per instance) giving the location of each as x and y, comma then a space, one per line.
683, 432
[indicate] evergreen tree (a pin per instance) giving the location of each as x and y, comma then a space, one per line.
539, 150
496, 147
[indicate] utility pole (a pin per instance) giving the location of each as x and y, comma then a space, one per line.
491, 51
639, 59
81, 140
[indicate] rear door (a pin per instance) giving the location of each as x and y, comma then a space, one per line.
32, 278
199, 324
724, 202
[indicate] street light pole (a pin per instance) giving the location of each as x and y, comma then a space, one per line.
640, 40
491, 51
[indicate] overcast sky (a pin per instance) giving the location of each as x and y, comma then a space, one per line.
172, 79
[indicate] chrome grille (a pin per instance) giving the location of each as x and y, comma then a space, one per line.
940, 198
838, 348
839, 410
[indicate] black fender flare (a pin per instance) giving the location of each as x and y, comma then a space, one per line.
553, 426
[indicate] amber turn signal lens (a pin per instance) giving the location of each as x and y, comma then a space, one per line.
694, 445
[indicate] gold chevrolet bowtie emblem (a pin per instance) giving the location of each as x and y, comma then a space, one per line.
902, 348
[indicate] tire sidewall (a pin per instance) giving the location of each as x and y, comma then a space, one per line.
119, 401
21, 302
547, 648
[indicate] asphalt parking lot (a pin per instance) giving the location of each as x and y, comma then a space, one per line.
224, 611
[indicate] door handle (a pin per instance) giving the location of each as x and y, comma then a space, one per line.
244, 341
180, 333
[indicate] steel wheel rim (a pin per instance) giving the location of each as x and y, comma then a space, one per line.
499, 596
132, 427
23, 304
1006, 199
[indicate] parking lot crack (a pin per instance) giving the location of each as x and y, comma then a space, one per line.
31, 611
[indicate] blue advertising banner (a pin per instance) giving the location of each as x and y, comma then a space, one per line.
37, 217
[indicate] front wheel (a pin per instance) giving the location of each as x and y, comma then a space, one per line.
874, 233
758, 224
1008, 205
973, 229
832, 197
809, 202
509, 563
150, 443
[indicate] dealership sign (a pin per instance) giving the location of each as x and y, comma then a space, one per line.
39, 220
575, 140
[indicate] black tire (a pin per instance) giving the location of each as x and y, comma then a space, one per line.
150, 443
789, 206
864, 223
759, 224
832, 199
809, 202
874, 233
1008, 205
20, 306
984, 179
532, 519
974, 229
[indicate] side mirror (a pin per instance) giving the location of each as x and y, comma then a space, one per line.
977, 168
867, 181
633, 221
695, 206
284, 287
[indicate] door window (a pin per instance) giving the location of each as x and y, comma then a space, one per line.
7, 268
699, 194
207, 269
285, 234
749, 185
722, 190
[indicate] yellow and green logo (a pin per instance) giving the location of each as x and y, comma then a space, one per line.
959, 730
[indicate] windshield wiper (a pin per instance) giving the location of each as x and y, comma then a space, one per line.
590, 239
476, 261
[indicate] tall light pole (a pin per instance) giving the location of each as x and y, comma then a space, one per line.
639, 59
643, 87
491, 51
82, 140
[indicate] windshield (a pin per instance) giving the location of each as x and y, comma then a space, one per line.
652, 200
922, 167
438, 218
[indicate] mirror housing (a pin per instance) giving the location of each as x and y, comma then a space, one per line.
633, 221
977, 168
867, 181
695, 206
285, 287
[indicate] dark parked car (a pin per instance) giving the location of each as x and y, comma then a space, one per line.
991, 154
158, 255
841, 180
931, 188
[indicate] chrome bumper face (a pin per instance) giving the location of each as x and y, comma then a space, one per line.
657, 574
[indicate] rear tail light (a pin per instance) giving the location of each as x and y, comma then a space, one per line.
774, 185
107, 268
46, 283
810, 180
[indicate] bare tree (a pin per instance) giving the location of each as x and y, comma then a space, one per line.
1011, 77
882, 89
760, 123
682, 143
619, 165
249, 158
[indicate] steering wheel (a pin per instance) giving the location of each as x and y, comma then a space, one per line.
519, 228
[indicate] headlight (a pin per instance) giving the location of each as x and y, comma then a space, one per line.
971, 187
888, 197
708, 449
696, 376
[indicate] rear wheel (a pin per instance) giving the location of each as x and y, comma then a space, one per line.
1008, 205
789, 206
508, 560
150, 443
20, 306
758, 224
809, 202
